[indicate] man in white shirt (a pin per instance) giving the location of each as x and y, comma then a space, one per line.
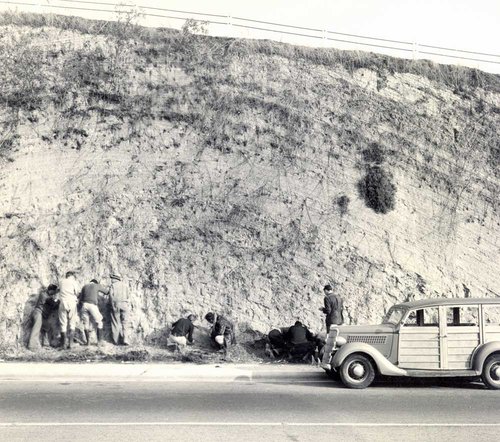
68, 315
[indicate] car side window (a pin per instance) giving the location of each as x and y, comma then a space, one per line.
411, 319
466, 315
423, 317
491, 315
431, 316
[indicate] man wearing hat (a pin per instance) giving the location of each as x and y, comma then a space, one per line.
119, 306
333, 308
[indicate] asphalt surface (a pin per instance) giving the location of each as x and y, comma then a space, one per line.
313, 409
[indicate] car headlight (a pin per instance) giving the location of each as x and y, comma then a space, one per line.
339, 341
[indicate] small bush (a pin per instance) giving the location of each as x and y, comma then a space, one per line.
343, 204
374, 154
378, 190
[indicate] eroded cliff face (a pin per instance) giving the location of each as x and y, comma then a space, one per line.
225, 175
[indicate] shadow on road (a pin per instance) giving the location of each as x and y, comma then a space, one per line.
323, 381
393, 382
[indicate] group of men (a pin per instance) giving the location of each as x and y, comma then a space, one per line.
222, 333
297, 342
58, 308
69, 301
74, 301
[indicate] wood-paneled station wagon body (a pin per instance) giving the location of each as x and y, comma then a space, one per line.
443, 337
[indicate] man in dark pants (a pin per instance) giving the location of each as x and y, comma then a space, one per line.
222, 334
333, 308
300, 341
89, 302
182, 332
119, 306
45, 306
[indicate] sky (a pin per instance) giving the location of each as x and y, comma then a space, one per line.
472, 25
468, 24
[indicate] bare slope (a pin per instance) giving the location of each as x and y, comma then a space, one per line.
232, 175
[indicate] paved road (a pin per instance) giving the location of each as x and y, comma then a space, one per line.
314, 410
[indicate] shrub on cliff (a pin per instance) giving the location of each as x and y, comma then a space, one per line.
378, 190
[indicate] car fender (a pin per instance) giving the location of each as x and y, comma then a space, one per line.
482, 352
384, 366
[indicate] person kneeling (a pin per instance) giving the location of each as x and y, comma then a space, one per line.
300, 342
222, 334
182, 332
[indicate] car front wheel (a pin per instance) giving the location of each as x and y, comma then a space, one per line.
491, 372
357, 371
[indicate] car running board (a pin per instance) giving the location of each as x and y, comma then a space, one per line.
441, 373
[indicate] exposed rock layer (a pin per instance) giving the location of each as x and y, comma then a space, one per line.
224, 175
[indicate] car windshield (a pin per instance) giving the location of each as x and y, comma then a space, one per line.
394, 315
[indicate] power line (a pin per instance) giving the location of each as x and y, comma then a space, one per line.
277, 31
459, 58
277, 24
282, 25
459, 50
97, 3
368, 44
144, 7
370, 38
182, 18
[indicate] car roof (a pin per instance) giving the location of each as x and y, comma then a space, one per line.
433, 302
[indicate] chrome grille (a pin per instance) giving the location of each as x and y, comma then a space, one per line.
367, 339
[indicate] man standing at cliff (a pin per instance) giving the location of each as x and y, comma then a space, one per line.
119, 305
333, 308
68, 295
89, 300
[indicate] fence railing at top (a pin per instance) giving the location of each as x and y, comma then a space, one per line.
402, 48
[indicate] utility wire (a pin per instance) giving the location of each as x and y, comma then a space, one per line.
301, 28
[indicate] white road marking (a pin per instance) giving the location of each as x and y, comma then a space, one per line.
245, 424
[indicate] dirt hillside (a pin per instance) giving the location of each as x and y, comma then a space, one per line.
240, 176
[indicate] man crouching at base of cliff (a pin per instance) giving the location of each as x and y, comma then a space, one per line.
89, 306
222, 334
182, 332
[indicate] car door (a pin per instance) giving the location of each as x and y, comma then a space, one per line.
461, 336
420, 340
491, 322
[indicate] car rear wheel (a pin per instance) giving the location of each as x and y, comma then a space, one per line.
357, 371
491, 372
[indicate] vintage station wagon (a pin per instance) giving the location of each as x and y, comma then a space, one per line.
449, 337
